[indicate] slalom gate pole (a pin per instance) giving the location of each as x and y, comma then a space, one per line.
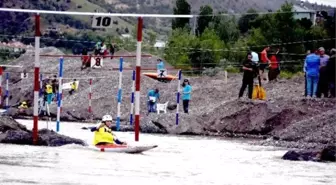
119, 92
90, 95
1, 85
137, 80
132, 98
7, 91
41, 85
59, 96
178, 96
36, 76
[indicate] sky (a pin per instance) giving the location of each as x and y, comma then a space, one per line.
325, 2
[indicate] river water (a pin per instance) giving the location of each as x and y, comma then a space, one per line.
177, 160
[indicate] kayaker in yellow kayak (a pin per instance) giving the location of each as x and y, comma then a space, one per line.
103, 133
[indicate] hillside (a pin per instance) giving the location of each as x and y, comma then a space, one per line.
73, 24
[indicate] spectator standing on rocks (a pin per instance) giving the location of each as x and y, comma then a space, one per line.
331, 72
250, 71
312, 66
85, 59
49, 91
274, 67
186, 95
54, 84
255, 57
322, 87
160, 67
112, 49
264, 62
153, 96
73, 87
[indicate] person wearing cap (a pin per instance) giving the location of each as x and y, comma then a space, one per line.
311, 68
153, 96
322, 87
186, 95
103, 134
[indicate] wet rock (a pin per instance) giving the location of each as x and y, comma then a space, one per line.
329, 153
301, 156
16, 133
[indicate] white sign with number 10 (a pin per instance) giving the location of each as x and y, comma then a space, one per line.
102, 22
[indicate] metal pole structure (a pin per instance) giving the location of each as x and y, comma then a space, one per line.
137, 80
178, 96
59, 96
132, 97
7, 91
36, 76
90, 96
1, 85
119, 92
41, 85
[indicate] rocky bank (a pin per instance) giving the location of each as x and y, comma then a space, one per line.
16, 133
286, 118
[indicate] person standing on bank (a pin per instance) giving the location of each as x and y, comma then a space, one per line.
250, 72
186, 95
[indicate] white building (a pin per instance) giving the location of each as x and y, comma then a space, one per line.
301, 12
160, 44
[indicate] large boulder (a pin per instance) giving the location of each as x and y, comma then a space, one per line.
301, 156
16, 133
326, 154
329, 153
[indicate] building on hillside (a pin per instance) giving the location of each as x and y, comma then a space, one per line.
301, 12
160, 44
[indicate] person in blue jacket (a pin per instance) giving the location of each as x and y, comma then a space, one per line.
153, 96
186, 95
312, 70
160, 68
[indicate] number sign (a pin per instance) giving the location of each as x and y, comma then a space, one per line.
102, 22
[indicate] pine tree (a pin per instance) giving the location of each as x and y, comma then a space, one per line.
182, 8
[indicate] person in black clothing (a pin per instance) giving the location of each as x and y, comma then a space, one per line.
331, 73
250, 72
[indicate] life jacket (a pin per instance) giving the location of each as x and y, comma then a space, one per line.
73, 86
49, 89
104, 134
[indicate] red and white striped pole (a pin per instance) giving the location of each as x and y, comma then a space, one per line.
36, 77
137, 80
90, 96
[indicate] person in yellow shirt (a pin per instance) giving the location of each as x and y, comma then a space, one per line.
103, 133
49, 92
73, 87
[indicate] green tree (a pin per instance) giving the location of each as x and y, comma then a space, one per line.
226, 28
182, 7
176, 52
205, 17
244, 21
207, 50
